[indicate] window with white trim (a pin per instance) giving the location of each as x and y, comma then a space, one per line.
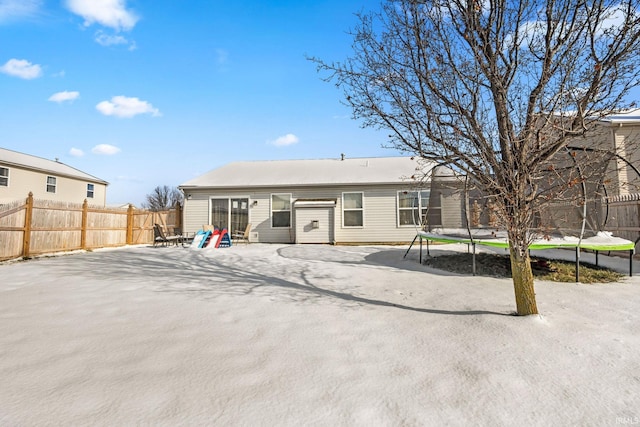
281, 210
412, 207
4, 177
90, 191
352, 210
51, 184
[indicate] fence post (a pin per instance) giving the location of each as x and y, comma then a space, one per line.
130, 224
83, 230
28, 215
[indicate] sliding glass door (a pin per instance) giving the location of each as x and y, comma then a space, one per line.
239, 214
220, 213
230, 213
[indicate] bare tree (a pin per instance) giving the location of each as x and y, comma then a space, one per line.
163, 198
496, 89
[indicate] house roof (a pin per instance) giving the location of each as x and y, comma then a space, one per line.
620, 117
629, 116
321, 172
54, 167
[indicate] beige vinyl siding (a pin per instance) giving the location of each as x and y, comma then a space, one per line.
626, 140
623, 138
380, 217
380, 212
623, 170
22, 181
195, 211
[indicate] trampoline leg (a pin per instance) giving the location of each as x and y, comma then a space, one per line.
428, 253
420, 251
577, 264
473, 257
631, 263
597, 258
410, 246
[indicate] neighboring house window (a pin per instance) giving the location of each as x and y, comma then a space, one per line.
4, 177
51, 184
281, 210
352, 210
412, 207
90, 191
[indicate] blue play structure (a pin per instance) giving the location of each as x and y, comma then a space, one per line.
216, 238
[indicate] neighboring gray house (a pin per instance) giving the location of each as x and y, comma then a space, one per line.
619, 133
22, 173
360, 200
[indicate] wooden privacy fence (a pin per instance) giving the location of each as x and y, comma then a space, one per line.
43, 226
623, 216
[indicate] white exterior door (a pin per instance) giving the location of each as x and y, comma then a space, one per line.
314, 224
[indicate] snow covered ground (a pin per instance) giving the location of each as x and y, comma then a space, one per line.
307, 335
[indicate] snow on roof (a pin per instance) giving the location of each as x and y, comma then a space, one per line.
629, 116
14, 158
623, 116
373, 170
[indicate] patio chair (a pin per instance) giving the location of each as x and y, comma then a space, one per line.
241, 236
160, 238
183, 238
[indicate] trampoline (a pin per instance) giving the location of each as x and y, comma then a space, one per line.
459, 212
601, 242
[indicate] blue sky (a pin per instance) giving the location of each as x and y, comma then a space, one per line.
143, 93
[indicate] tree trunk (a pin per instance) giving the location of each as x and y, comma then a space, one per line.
522, 276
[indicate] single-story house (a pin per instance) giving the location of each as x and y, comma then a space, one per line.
343, 200
21, 174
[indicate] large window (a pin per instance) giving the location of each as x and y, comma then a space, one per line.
412, 207
352, 210
4, 177
90, 191
51, 184
281, 210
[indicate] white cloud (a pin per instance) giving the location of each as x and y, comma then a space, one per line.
614, 18
288, 139
113, 40
122, 106
76, 152
64, 96
108, 13
13, 9
105, 149
109, 40
21, 68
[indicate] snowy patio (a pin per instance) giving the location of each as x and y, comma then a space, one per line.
307, 335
